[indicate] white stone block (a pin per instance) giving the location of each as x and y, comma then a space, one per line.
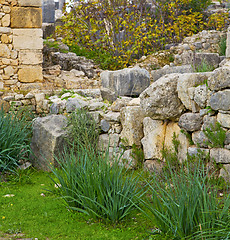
27, 39
30, 57
30, 3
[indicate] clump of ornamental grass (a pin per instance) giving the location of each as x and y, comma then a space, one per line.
15, 134
90, 181
186, 205
91, 184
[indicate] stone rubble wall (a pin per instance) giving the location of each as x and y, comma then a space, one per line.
190, 102
21, 44
205, 42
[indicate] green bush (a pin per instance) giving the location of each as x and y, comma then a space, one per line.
15, 133
185, 204
94, 185
123, 31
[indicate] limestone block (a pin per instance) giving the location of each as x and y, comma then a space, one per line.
75, 103
5, 30
9, 71
132, 123
220, 100
190, 122
4, 51
5, 105
224, 119
6, 9
201, 95
196, 151
200, 139
220, 78
160, 100
153, 166
30, 74
28, 57
112, 116
30, 3
109, 95
4, 38
27, 39
208, 122
126, 82
128, 160
47, 140
6, 20
156, 74
187, 81
154, 134
5, 61
220, 155
171, 129
105, 126
225, 172
26, 17
14, 54
119, 103
228, 44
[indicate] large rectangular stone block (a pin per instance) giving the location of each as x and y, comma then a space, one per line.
30, 74
27, 39
22, 17
30, 57
30, 3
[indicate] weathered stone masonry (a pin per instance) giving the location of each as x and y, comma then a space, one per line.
21, 44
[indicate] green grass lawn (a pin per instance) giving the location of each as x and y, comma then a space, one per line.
38, 213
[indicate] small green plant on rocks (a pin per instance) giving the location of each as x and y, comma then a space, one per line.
204, 67
216, 136
171, 155
222, 46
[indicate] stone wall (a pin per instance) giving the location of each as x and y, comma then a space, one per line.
191, 102
21, 44
202, 42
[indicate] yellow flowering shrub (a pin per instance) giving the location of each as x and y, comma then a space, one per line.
126, 30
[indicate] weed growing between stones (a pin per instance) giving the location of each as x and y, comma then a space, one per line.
222, 46
216, 136
204, 67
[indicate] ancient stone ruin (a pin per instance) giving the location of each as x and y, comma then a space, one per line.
21, 44
133, 106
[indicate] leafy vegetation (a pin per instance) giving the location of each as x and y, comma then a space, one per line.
204, 67
216, 135
117, 33
184, 201
37, 213
15, 133
222, 46
185, 204
82, 131
92, 182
